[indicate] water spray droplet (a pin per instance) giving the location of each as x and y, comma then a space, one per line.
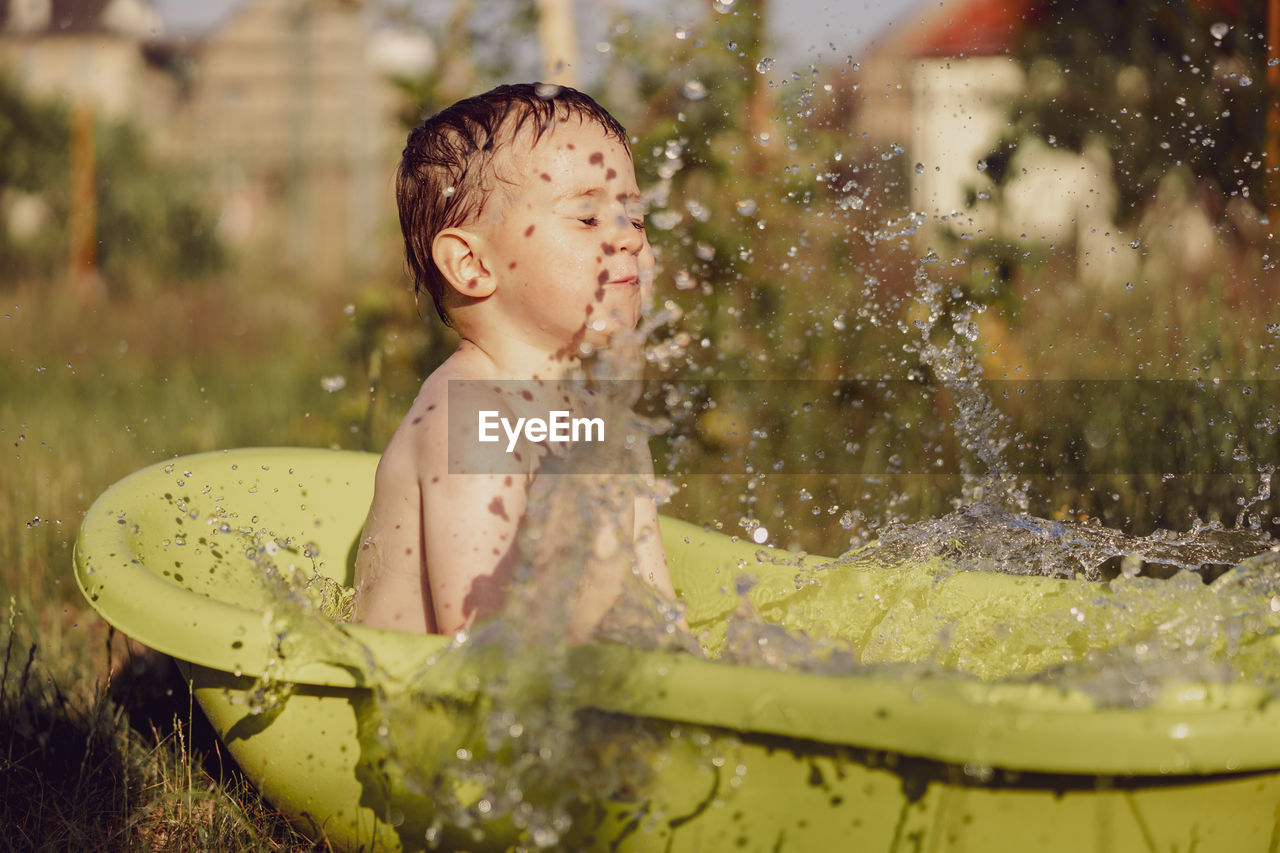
333, 383
694, 90
1219, 30
765, 65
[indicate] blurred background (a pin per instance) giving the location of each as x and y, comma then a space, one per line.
850, 202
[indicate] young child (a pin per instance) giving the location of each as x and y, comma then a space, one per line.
522, 219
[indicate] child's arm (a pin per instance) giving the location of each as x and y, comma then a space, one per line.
470, 531
469, 523
651, 556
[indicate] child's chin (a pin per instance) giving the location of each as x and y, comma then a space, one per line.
610, 336
620, 322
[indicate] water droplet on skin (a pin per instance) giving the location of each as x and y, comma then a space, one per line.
919, 168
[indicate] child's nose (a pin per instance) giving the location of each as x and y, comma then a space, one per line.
627, 237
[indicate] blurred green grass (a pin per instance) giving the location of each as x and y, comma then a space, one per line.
99, 749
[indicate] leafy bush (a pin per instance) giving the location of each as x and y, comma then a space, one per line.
153, 225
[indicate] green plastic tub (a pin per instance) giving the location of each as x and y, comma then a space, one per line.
753, 758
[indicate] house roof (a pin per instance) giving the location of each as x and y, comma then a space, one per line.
77, 15
71, 17
992, 27
63, 15
970, 28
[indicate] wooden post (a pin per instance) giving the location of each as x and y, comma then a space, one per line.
558, 39
1273, 113
82, 224
761, 103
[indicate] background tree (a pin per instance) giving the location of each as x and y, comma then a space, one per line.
1175, 93
1171, 88
154, 225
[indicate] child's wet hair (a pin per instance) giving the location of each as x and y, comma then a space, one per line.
447, 174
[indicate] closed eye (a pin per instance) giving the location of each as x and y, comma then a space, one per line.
589, 221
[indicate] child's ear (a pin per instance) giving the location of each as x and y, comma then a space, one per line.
459, 256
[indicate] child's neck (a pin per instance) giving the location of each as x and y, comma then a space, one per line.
515, 359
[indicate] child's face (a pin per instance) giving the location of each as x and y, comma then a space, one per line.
568, 244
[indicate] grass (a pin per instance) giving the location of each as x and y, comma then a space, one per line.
99, 748
88, 768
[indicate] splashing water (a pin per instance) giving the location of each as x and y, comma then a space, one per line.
920, 603
523, 752
978, 423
